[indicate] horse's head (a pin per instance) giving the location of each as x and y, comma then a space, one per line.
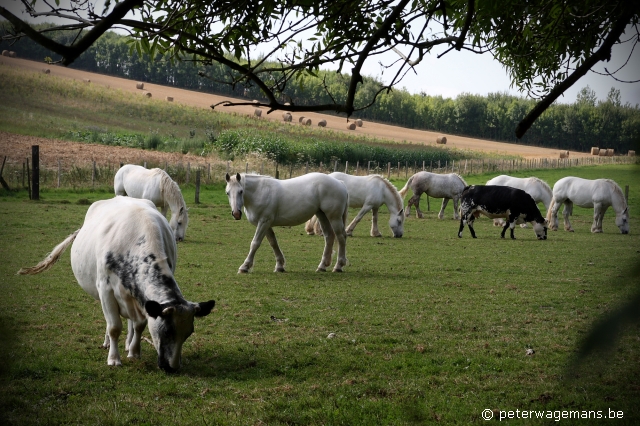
540, 228
622, 221
179, 223
235, 191
396, 223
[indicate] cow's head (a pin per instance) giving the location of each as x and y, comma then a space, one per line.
235, 191
179, 223
170, 325
622, 221
540, 228
396, 223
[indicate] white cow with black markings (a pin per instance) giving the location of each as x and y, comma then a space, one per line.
125, 256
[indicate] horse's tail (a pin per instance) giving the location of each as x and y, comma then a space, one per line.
551, 204
51, 258
404, 190
345, 213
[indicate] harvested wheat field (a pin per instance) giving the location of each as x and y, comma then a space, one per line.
377, 130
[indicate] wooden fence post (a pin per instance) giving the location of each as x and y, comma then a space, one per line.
209, 171
188, 170
35, 158
93, 174
346, 167
4, 184
357, 166
423, 165
198, 186
398, 169
335, 166
368, 167
389, 170
28, 177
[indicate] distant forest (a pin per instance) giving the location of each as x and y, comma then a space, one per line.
579, 126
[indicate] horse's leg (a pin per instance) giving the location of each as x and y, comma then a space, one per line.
271, 237
308, 227
598, 214
417, 203
261, 230
165, 208
374, 224
337, 227
365, 209
456, 200
553, 225
329, 239
566, 212
444, 205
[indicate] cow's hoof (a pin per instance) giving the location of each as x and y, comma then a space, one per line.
475, 236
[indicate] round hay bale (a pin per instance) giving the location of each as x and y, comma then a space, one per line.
631, 153
563, 154
140, 86
287, 117
441, 140
609, 152
300, 119
351, 126
595, 150
169, 98
567, 153
322, 123
257, 112
602, 152
5, 53
86, 80
306, 122
147, 94
12, 54
46, 70
359, 122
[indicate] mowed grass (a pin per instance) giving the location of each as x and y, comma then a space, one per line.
428, 328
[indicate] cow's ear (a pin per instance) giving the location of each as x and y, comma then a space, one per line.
227, 177
204, 308
154, 309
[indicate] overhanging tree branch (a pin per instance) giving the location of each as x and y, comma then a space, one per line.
603, 53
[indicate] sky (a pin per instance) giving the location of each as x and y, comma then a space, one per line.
466, 72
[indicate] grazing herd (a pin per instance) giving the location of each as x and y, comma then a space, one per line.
124, 255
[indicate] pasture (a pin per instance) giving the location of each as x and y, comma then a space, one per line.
427, 328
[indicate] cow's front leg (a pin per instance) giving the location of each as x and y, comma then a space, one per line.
374, 224
111, 312
136, 328
470, 221
127, 342
444, 206
271, 237
357, 219
261, 230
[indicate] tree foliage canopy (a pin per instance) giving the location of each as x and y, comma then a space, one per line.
545, 46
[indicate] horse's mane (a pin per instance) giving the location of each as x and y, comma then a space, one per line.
170, 190
460, 177
391, 187
543, 183
617, 190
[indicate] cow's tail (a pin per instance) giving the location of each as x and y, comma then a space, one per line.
551, 204
51, 258
404, 189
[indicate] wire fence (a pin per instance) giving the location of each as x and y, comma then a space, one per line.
76, 175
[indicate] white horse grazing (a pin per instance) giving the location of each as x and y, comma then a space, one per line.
369, 192
124, 255
449, 186
598, 194
269, 202
539, 190
158, 187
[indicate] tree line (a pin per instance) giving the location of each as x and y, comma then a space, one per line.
578, 126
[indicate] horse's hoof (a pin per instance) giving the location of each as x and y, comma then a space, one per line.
243, 271
279, 270
321, 270
376, 235
349, 234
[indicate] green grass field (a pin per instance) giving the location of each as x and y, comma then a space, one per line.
428, 328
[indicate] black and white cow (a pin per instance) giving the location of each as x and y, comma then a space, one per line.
125, 256
494, 201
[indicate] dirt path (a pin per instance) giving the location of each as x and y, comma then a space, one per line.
204, 100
